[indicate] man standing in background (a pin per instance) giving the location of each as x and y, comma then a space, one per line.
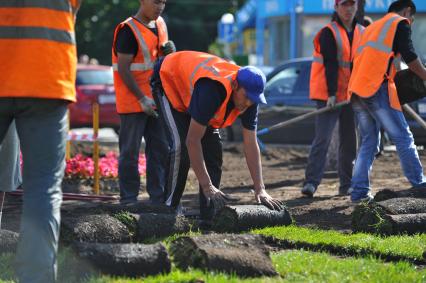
375, 100
138, 43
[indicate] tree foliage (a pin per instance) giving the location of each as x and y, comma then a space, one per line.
192, 24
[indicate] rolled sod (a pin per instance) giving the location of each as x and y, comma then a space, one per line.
94, 228
8, 241
126, 259
392, 216
239, 218
156, 225
388, 194
244, 255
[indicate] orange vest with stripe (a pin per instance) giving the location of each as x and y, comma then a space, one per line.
181, 70
372, 60
345, 55
37, 49
142, 64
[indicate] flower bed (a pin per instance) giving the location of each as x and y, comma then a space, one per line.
80, 170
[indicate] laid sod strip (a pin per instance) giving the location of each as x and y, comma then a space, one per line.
393, 248
391, 217
388, 194
293, 266
301, 266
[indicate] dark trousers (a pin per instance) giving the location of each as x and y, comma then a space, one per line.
133, 127
324, 125
177, 125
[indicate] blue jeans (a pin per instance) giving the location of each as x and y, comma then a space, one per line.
371, 113
42, 129
10, 173
324, 125
133, 127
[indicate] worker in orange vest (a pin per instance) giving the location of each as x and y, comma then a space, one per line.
38, 69
375, 100
334, 47
138, 43
197, 94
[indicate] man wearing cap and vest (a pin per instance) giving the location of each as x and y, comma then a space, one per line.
374, 96
198, 93
334, 47
138, 43
38, 69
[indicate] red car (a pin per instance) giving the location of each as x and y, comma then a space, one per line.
94, 83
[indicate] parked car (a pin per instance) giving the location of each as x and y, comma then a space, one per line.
287, 94
94, 83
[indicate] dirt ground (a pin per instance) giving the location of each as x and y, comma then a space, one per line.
283, 172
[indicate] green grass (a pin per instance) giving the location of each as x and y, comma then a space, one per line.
293, 266
410, 247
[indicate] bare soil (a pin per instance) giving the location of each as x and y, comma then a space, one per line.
283, 172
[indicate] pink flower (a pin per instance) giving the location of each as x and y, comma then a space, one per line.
81, 166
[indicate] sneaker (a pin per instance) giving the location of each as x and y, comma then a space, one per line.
361, 195
308, 190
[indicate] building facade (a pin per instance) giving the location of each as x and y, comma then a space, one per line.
284, 29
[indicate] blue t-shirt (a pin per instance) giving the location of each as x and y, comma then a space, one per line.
206, 99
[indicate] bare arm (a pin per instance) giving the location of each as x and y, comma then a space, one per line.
417, 67
193, 143
252, 154
195, 151
124, 61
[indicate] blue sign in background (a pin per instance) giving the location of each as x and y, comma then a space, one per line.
271, 8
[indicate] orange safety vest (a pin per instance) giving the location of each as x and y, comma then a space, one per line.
345, 55
372, 60
38, 49
181, 70
142, 64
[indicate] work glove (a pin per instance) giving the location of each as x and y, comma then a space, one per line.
331, 101
262, 197
148, 106
168, 48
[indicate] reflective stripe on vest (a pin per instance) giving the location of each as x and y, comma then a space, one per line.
339, 43
136, 66
37, 33
379, 43
59, 5
142, 43
38, 49
204, 65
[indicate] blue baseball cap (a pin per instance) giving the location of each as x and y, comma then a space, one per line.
253, 81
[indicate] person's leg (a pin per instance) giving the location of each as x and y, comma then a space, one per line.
212, 152
347, 147
396, 126
42, 127
157, 159
369, 131
10, 173
176, 128
132, 127
324, 125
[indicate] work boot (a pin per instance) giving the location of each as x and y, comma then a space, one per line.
308, 190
